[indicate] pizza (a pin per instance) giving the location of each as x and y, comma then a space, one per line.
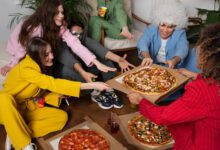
83, 139
147, 132
150, 81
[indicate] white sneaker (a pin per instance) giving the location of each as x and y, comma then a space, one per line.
30, 146
8, 145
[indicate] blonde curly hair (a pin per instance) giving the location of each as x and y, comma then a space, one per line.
172, 12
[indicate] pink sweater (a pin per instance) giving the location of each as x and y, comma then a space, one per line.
17, 51
193, 119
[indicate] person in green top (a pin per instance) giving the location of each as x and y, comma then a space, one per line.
115, 22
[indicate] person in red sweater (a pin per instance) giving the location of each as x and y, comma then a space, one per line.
193, 119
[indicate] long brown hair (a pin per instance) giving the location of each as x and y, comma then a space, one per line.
209, 47
36, 49
44, 16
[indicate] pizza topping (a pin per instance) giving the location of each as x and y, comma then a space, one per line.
83, 139
150, 80
148, 132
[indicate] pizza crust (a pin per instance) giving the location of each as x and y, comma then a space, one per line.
82, 139
150, 81
141, 130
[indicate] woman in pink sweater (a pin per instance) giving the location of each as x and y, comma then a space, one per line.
193, 119
47, 22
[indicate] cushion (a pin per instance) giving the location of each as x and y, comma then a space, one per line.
122, 43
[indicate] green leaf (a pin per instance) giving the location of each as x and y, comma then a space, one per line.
202, 11
212, 17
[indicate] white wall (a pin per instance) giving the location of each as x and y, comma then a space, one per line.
143, 8
7, 7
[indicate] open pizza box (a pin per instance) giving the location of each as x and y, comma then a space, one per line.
123, 121
117, 84
53, 142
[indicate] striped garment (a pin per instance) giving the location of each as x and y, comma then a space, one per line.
193, 119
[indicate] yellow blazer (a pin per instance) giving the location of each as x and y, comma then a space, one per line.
26, 79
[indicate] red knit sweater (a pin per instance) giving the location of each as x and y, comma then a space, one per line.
193, 119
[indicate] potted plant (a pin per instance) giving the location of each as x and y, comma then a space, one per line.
76, 8
212, 16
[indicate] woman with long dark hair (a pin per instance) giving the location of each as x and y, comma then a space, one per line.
47, 22
26, 90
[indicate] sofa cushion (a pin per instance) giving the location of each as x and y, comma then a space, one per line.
122, 43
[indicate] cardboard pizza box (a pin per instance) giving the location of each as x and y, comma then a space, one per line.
53, 142
116, 83
123, 121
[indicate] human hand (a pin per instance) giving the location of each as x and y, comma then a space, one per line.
88, 76
124, 64
187, 73
63, 29
126, 33
100, 86
4, 70
135, 97
103, 67
170, 63
147, 62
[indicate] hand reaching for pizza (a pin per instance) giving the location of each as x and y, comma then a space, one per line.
124, 64
103, 67
170, 64
147, 62
187, 73
89, 77
135, 97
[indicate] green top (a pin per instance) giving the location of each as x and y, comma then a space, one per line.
115, 12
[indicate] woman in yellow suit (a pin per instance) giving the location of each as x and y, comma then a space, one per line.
25, 85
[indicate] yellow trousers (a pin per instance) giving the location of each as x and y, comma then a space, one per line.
35, 123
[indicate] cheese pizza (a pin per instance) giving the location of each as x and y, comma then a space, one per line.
150, 81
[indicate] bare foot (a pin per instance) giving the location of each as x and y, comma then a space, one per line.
126, 33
